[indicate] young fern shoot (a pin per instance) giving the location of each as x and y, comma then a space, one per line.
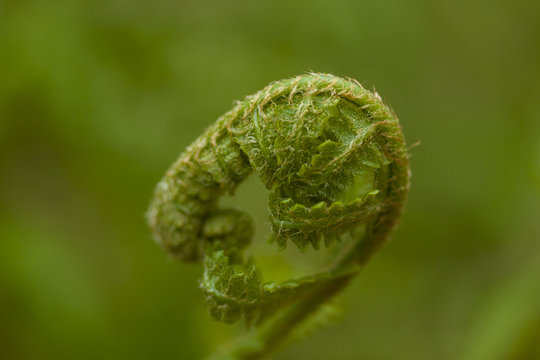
333, 157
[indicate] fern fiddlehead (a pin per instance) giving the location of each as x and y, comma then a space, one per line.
334, 160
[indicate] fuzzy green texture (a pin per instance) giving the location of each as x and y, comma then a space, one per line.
333, 157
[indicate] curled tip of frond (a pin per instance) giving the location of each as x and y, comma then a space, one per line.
332, 155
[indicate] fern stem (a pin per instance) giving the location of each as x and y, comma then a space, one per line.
278, 331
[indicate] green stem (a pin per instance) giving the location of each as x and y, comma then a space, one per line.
266, 340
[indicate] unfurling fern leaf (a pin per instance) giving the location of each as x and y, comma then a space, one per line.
334, 159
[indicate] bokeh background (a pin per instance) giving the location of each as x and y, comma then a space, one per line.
98, 97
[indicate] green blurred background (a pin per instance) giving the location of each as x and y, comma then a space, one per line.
98, 97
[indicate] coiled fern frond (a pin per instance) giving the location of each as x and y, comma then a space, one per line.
333, 157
